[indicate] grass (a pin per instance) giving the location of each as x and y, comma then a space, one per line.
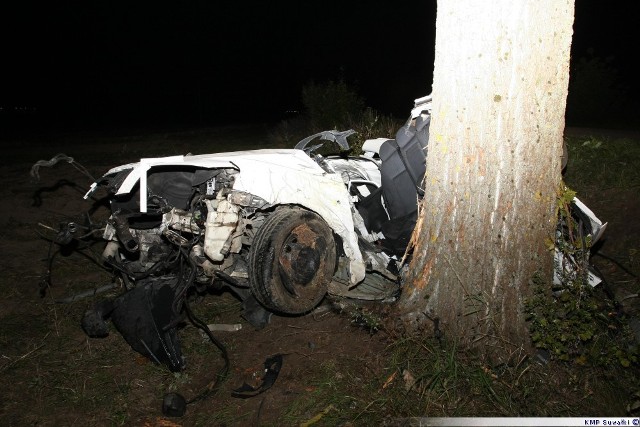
600, 163
428, 378
324, 392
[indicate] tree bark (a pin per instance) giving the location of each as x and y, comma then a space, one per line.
493, 167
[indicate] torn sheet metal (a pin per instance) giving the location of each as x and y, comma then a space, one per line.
567, 265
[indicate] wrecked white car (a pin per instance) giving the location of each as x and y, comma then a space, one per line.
280, 228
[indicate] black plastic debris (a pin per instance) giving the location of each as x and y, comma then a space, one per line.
272, 366
94, 321
174, 405
145, 318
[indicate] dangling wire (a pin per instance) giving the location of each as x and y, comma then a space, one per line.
181, 301
45, 281
35, 169
184, 283
222, 374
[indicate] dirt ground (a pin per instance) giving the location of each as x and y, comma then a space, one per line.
52, 374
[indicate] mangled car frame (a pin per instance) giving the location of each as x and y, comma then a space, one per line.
281, 228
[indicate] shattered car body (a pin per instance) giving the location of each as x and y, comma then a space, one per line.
234, 194
283, 226
226, 210
280, 228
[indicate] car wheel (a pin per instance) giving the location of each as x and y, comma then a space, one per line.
292, 261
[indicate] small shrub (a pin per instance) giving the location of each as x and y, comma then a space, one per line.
288, 132
331, 105
334, 105
372, 125
574, 321
366, 319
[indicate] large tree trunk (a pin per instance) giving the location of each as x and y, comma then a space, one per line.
493, 168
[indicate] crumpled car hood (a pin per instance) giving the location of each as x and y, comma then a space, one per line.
279, 176
291, 159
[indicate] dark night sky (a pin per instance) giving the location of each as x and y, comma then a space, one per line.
204, 62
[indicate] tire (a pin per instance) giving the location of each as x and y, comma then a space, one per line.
292, 261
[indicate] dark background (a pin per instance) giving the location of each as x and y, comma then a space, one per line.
99, 64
